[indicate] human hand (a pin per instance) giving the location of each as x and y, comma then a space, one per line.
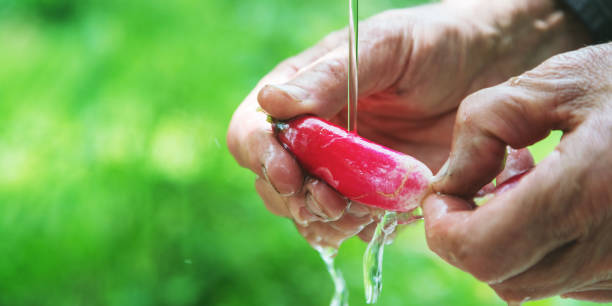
550, 233
415, 66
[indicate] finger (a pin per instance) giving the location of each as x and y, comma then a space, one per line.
289, 67
273, 201
323, 201
488, 188
268, 159
250, 138
515, 229
351, 225
320, 88
545, 210
254, 146
518, 112
517, 162
486, 122
359, 210
602, 285
554, 274
356, 218
300, 214
600, 296
445, 217
567, 269
368, 232
317, 90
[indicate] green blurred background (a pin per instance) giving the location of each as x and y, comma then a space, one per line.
116, 187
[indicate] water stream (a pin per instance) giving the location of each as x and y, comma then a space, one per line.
328, 254
373, 257
353, 85
340, 297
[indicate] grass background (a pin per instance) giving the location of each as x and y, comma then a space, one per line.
115, 184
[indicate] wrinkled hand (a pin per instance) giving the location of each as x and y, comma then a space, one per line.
415, 66
551, 233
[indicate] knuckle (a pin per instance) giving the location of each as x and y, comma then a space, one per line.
569, 74
555, 69
463, 114
471, 107
570, 80
500, 112
569, 61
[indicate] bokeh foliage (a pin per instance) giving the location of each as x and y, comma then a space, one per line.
115, 184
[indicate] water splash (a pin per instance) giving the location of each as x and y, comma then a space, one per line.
340, 297
373, 257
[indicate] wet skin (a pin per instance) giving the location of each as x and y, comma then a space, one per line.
549, 235
416, 67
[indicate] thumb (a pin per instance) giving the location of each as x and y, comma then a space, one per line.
518, 113
321, 87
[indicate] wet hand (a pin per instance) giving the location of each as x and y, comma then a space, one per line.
415, 66
550, 234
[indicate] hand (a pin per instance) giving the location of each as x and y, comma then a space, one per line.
415, 66
550, 234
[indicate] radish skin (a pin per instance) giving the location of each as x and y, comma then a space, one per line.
359, 169
510, 183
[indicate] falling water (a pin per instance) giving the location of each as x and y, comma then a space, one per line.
340, 297
353, 88
328, 254
373, 257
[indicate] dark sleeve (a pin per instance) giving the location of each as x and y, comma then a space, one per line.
596, 15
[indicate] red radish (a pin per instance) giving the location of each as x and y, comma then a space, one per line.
359, 169
510, 182
504, 186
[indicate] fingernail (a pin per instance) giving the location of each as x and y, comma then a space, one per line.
351, 225
308, 216
299, 213
314, 208
333, 211
267, 178
301, 222
357, 210
442, 172
299, 218
294, 93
